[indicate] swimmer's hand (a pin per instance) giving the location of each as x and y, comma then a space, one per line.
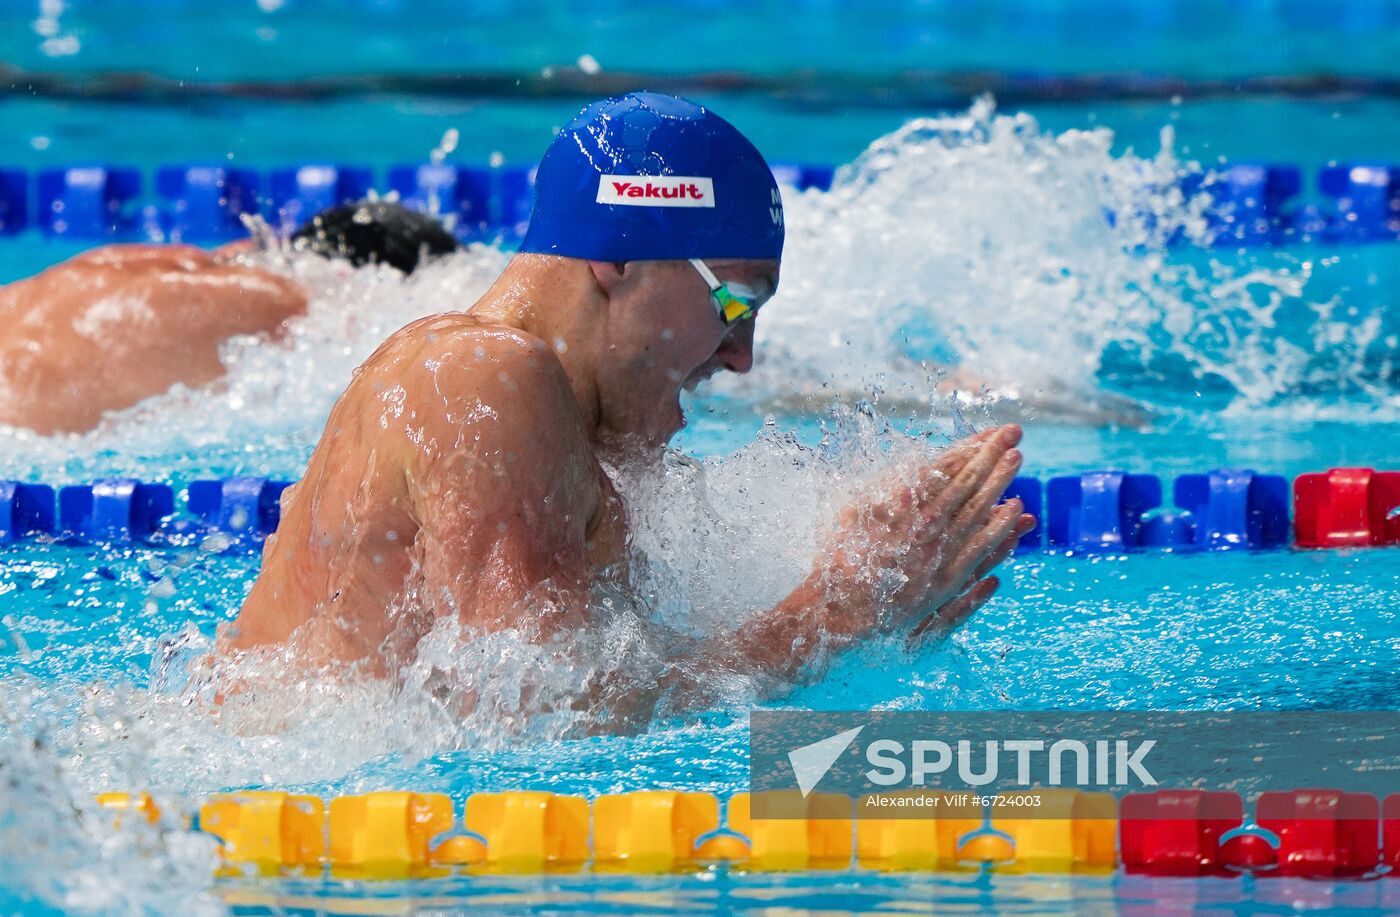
924, 541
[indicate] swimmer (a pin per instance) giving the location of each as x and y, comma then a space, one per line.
118, 324
461, 474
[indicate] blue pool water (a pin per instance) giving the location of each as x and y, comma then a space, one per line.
991, 249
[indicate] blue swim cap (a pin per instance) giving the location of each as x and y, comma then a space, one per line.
650, 177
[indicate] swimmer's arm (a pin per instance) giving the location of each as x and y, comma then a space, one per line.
227, 299
500, 508
195, 297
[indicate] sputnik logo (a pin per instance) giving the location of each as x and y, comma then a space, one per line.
811, 762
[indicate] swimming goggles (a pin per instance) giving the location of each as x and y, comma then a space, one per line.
734, 302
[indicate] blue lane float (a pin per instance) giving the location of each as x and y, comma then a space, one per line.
247, 508
516, 198
463, 192
1030, 493
115, 510
299, 193
26, 510
1247, 203
1111, 511
1366, 197
1166, 530
14, 201
125, 510
205, 203
1233, 509
803, 177
89, 201
1101, 511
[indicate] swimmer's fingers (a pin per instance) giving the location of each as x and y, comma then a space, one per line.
934, 474
902, 492
979, 506
967, 482
1008, 544
977, 509
955, 612
953, 459
985, 541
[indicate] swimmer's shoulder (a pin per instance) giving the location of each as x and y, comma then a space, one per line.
142, 255
457, 358
464, 345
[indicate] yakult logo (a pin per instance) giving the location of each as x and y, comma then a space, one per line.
657, 190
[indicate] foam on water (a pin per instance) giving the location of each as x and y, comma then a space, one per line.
976, 236
985, 239
62, 853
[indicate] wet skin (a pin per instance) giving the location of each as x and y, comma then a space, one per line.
459, 476
118, 324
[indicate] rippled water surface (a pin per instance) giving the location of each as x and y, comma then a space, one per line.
978, 238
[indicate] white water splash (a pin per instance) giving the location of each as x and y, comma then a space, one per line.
59, 848
983, 238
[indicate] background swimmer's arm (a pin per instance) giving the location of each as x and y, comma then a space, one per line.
202, 296
939, 529
120, 323
501, 498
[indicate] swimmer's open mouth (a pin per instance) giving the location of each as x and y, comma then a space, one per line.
701, 374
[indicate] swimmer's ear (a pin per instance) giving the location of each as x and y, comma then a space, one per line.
611, 275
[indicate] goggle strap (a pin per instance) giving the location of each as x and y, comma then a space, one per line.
706, 273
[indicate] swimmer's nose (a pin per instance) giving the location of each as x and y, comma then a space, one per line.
736, 350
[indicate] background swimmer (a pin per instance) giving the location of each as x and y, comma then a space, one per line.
120, 323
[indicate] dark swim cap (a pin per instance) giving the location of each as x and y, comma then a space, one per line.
375, 231
650, 177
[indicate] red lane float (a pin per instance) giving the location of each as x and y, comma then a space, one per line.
1177, 832
1390, 834
1346, 507
1321, 833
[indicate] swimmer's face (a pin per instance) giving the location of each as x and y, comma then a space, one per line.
666, 336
